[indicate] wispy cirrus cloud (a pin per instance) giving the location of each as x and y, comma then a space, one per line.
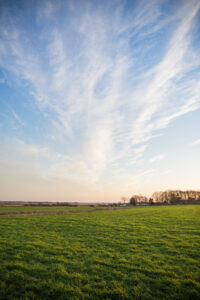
157, 158
17, 118
168, 80
195, 143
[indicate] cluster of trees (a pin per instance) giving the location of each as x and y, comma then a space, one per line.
138, 199
177, 197
167, 197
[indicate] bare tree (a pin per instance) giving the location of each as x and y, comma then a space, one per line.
124, 199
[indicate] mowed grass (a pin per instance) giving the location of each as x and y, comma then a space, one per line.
44, 208
137, 253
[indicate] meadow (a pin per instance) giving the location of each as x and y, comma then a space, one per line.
44, 208
136, 253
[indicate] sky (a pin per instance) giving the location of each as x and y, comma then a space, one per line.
98, 99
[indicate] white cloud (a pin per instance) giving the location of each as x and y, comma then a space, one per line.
17, 118
157, 158
195, 143
140, 149
46, 9
44, 163
160, 89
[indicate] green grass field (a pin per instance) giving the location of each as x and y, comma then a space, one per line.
137, 253
44, 208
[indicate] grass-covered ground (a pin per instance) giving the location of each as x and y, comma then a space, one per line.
138, 253
44, 208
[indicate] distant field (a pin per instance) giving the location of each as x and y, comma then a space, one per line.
43, 208
137, 253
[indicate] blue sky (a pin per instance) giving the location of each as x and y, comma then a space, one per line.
99, 99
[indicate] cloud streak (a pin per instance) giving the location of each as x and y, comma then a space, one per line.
157, 158
195, 143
